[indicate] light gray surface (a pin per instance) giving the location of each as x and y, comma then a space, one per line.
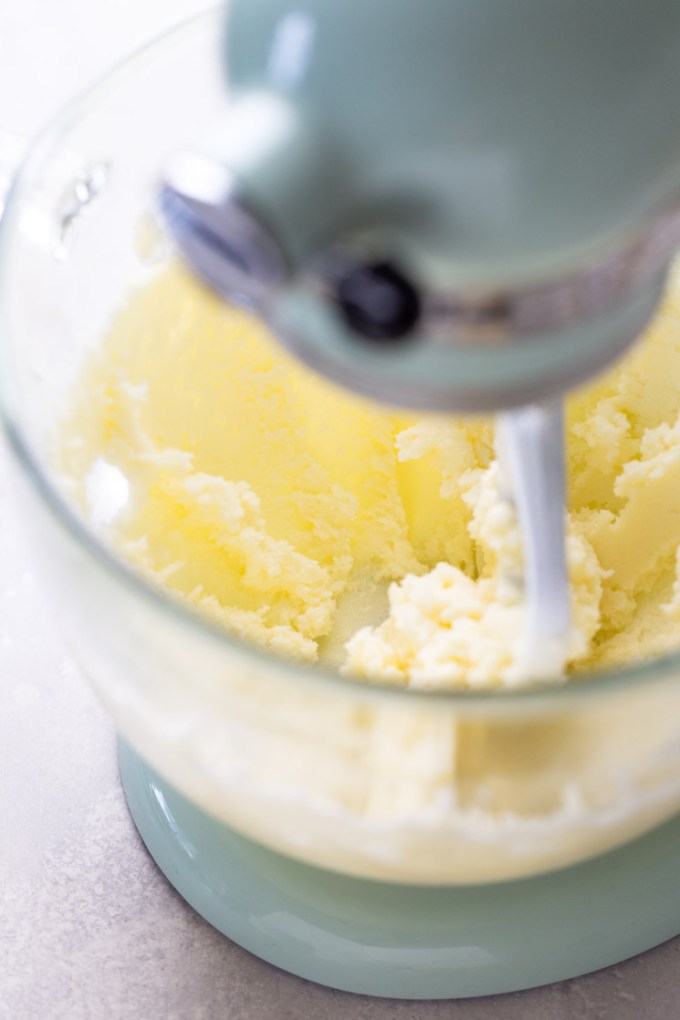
88, 927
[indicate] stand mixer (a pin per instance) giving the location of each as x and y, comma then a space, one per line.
480, 256
452, 208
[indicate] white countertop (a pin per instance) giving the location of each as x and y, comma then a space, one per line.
88, 927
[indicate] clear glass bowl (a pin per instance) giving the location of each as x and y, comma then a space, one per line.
362, 778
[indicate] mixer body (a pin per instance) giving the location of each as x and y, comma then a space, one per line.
487, 143
487, 191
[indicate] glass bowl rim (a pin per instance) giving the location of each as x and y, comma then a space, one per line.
535, 696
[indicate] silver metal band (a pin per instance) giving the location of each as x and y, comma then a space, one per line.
239, 256
462, 318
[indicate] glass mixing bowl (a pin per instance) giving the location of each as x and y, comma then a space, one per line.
358, 777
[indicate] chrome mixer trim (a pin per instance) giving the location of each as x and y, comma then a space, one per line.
228, 246
456, 317
239, 255
453, 397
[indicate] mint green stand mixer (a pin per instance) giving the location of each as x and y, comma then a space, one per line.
453, 206
457, 207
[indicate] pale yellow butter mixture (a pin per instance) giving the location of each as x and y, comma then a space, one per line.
322, 527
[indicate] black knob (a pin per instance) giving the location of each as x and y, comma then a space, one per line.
377, 301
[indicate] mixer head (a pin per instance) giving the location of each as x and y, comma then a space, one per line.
456, 205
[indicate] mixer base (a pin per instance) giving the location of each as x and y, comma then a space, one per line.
409, 942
